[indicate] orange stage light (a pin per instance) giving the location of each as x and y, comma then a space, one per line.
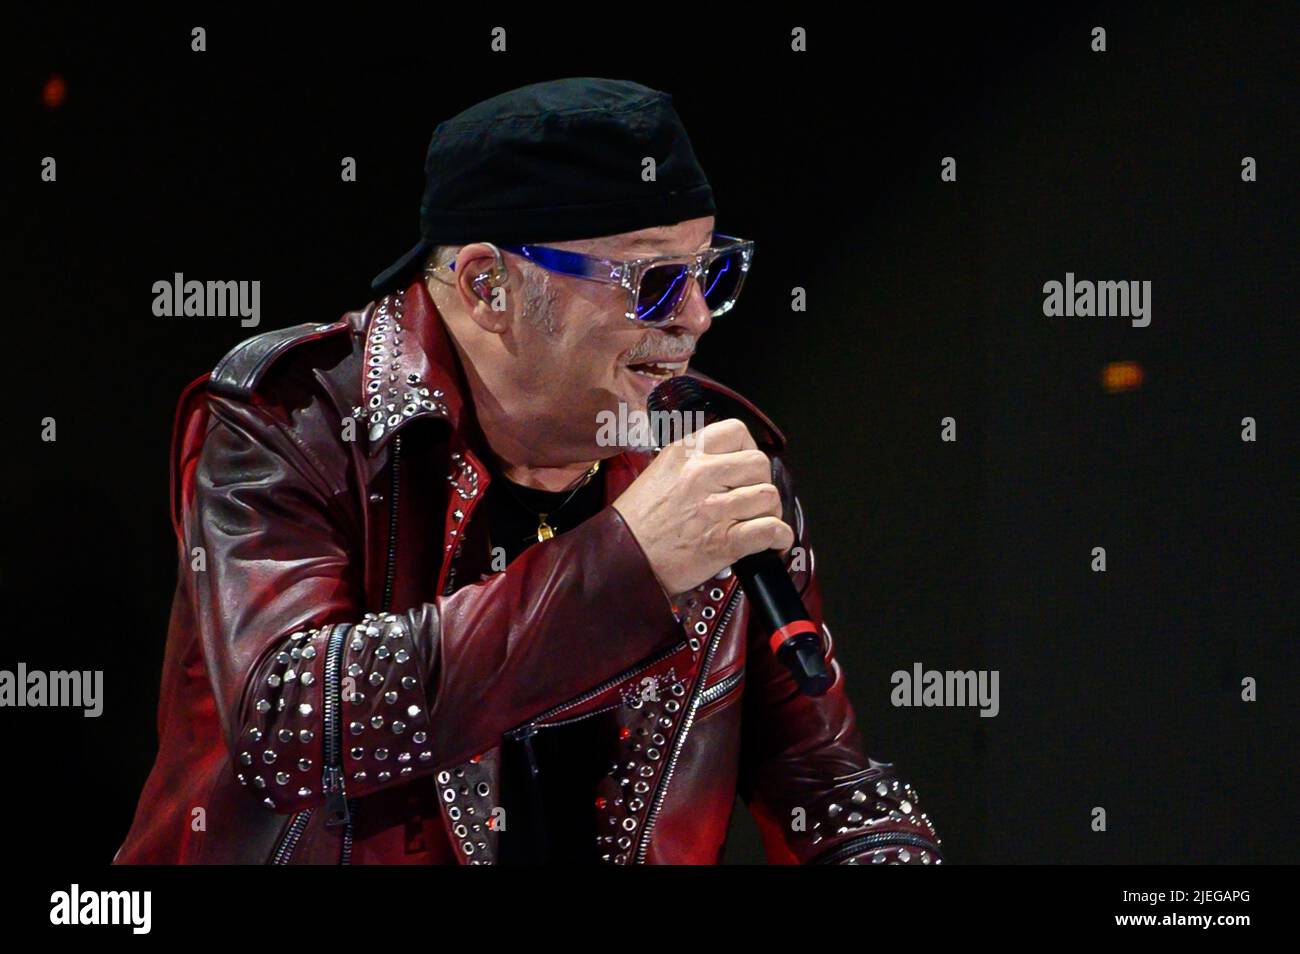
1120, 376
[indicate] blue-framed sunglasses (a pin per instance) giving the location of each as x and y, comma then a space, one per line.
657, 287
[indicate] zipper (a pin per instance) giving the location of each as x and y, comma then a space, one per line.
390, 570
541, 840
643, 845
341, 810
335, 802
525, 734
531, 727
289, 840
570, 721
345, 854
875, 840
720, 689
336, 799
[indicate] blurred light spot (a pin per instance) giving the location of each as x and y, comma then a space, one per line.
1122, 376
55, 91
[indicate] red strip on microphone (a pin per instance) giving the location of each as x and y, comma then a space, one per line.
791, 629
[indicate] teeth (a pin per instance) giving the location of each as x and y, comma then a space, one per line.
660, 369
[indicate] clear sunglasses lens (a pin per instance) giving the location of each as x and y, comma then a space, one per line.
662, 289
721, 281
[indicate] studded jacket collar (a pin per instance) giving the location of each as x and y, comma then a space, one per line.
344, 661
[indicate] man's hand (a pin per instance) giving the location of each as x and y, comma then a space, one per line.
701, 507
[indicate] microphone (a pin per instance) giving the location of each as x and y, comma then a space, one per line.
792, 634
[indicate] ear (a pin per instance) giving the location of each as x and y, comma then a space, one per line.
483, 283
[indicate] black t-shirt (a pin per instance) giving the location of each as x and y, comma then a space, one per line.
514, 511
548, 780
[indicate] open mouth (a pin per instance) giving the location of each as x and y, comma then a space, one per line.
658, 370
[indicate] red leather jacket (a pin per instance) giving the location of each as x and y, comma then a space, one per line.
343, 663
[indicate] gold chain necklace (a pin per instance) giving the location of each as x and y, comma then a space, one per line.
544, 530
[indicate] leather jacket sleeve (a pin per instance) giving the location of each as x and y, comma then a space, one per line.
322, 701
805, 774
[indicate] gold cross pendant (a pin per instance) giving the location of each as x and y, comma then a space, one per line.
544, 531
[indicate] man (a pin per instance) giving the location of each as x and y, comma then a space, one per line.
426, 615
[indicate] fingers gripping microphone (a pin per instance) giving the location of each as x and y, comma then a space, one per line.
791, 632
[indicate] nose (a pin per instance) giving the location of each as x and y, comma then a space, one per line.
694, 316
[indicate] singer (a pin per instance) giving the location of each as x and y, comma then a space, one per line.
425, 615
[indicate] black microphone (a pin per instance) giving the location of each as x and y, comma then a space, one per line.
792, 634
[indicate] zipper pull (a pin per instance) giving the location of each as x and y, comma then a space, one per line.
525, 735
336, 802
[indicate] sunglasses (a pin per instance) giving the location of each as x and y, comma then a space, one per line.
657, 287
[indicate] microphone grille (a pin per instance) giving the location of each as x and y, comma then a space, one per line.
682, 393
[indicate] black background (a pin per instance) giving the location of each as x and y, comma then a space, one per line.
1119, 689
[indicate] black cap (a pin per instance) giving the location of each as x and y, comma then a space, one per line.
555, 161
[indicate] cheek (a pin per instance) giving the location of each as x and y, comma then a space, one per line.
571, 366
593, 346
593, 365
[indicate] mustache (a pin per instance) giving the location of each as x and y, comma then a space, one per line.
663, 346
